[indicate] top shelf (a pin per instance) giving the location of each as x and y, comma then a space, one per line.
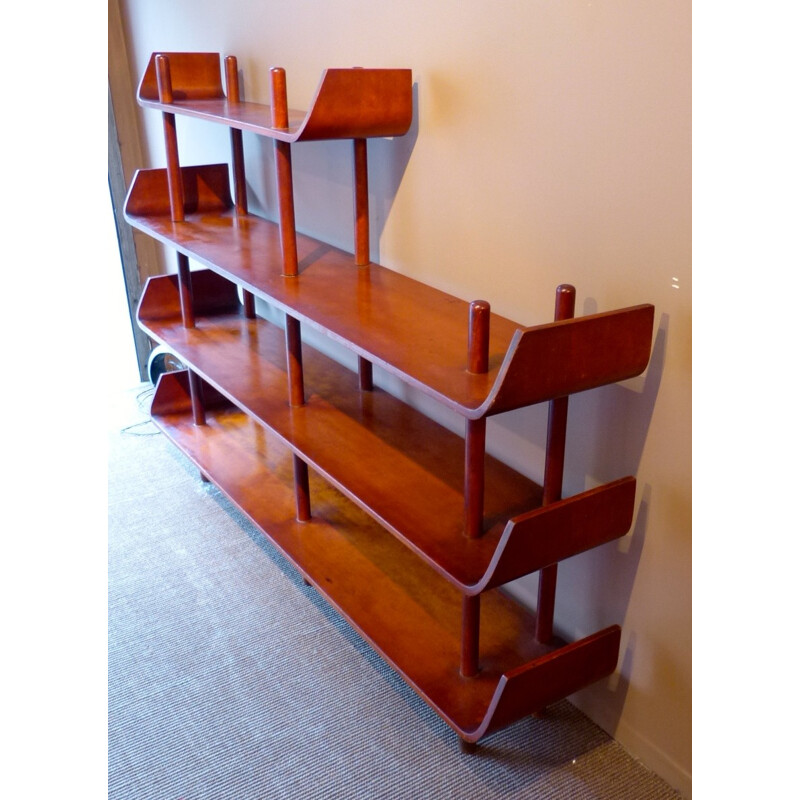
350, 103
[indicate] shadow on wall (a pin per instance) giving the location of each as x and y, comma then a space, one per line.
323, 183
606, 433
606, 428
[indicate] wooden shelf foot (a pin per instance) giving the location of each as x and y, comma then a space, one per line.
468, 748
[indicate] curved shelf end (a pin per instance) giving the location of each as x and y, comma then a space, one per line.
533, 686
359, 103
195, 76
560, 358
557, 531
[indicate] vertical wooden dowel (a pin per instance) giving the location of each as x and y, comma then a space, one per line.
475, 453
474, 479
174, 178
237, 147
237, 159
475, 437
283, 170
470, 635
554, 476
178, 214
365, 382
294, 363
175, 185
187, 316
302, 493
361, 236
185, 291
478, 342
294, 352
196, 393
249, 302
361, 202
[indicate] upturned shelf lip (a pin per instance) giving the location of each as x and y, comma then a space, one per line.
412, 330
517, 677
244, 361
349, 102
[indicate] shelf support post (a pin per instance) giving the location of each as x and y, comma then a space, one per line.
554, 476
174, 184
283, 169
361, 202
475, 438
196, 394
237, 147
185, 291
174, 178
470, 635
237, 157
474, 480
178, 214
294, 364
294, 351
361, 235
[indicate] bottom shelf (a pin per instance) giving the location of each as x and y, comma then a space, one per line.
407, 612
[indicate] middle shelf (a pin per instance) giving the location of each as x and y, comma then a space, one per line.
401, 467
390, 597
414, 331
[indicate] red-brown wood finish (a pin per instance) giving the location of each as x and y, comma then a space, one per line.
474, 483
470, 635
170, 141
390, 597
185, 289
377, 450
361, 202
361, 236
283, 169
408, 529
237, 145
554, 475
348, 104
410, 329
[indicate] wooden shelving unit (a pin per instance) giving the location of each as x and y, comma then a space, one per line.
409, 530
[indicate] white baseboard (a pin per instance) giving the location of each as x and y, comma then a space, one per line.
643, 750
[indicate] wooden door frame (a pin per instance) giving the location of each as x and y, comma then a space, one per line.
139, 254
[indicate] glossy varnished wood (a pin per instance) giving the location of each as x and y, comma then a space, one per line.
410, 329
348, 103
401, 467
387, 594
555, 452
373, 502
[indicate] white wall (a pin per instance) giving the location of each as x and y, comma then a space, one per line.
551, 144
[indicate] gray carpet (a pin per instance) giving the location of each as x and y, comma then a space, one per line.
229, 679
